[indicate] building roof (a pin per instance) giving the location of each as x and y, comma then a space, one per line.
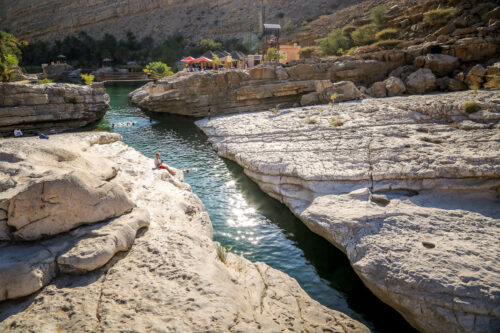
237, 55
272, 26
208, 54
222, 54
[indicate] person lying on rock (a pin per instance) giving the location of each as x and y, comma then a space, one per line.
159, 165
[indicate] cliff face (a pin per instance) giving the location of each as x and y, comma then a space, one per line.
52, 19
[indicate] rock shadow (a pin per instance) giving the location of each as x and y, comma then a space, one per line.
485, 202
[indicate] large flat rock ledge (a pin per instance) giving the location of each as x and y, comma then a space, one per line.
407, 187
94, 239
51, 106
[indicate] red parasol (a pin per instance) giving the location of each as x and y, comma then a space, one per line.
188, 59
202, 59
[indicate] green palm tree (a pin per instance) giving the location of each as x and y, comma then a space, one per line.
9, 54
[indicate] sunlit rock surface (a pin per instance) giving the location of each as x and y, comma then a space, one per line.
152, 268
407, 187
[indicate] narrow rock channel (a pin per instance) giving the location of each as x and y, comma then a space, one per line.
245, 218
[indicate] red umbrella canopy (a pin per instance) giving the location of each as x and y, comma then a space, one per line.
188, 59
201, 59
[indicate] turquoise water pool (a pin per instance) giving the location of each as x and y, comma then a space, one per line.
245, 218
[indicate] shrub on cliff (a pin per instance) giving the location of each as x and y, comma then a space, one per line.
158, 69
389, 33
471, 106
335, 40
347, 52
348, 30
309, 52
44, 81
387, 44
379, 16
439, 17
364, 34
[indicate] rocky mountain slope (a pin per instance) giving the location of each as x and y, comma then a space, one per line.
108, 245
408, 187
195, 19
472, 18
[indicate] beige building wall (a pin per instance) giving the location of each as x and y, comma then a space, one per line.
291, 52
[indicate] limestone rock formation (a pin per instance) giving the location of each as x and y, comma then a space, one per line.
407, 187
57, 72
258, 88
378, 90
394, 86
234, 91
441, 64
51, 205
34, 108
344, 90
120, 276
456, 85
415, 69
421, 81
26, 268
475, 76
49, 189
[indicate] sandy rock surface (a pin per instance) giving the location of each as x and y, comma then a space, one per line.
407, 187
121, 274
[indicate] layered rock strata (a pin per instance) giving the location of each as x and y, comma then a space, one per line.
407, 187
263, 87
50, 106
112, 276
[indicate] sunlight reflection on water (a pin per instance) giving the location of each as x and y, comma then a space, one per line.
244, 218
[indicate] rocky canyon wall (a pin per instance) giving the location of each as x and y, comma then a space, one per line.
52, 19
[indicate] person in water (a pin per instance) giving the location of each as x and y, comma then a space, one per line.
159, 164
